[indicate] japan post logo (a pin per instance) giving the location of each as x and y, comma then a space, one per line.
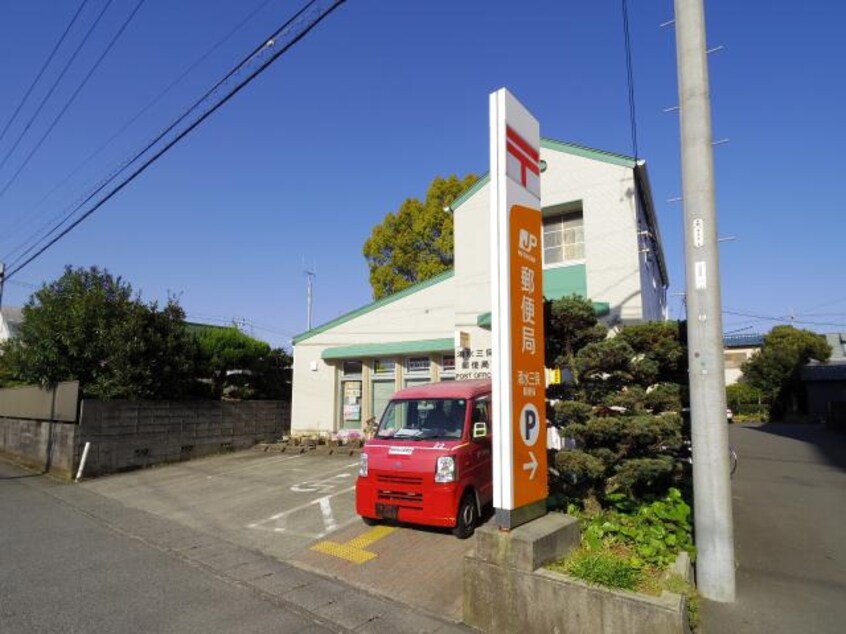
527, 241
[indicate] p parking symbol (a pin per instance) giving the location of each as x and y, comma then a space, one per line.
529, 424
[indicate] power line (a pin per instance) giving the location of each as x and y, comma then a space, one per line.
271, 42
630, 77
43, 68
784, 319
24, 218
49, 94
73, 97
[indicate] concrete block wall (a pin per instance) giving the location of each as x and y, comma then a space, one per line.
128, 435
40, 444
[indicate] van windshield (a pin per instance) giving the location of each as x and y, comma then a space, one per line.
423, 419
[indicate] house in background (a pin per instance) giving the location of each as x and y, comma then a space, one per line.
600, 241
737, 350
10, 320
825, 384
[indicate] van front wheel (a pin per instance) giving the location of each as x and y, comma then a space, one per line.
467, 516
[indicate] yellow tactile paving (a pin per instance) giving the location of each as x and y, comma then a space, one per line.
354, 549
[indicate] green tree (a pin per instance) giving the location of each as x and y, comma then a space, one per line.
570, 325
660, 341
240, 366
88, 326
416, 242
774, 370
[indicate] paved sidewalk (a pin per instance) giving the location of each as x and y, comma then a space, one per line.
334, 604
789, 512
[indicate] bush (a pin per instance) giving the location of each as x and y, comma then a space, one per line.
664, 397
655, 533
571, 412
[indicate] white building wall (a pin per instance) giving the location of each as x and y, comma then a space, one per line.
616, 272
607, 193
426, 314
653, 292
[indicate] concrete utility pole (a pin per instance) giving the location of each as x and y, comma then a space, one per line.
709, 431
309, 294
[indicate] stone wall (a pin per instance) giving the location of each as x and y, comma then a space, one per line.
40, 444
127, 435
38, 428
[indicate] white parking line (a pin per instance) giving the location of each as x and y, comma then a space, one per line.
328, 519
279, 520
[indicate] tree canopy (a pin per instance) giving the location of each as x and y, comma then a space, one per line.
240, 366
89, 326
774, 370
415, 243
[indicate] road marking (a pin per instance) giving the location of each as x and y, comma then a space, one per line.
326, 510
278, 522
354, 550
320, 486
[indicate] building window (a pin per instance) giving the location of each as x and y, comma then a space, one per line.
563, 238
384, 367
448, 367
351, 368
417, 365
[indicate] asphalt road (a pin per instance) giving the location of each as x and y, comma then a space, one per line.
789, 512
194, 547
62, 571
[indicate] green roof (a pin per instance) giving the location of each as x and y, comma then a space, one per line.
588, 152
373, 306
559, 146
389, 349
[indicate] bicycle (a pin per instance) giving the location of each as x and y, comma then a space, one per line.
686, 455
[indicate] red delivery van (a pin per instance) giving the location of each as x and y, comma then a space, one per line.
429, 461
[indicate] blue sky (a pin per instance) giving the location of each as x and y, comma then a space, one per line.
382, 97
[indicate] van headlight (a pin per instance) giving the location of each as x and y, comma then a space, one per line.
362, 465
445, 469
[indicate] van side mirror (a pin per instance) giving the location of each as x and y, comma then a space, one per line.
480, 430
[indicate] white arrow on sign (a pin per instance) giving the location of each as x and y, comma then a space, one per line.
531, 466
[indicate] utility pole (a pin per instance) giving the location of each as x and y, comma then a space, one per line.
309, 291
709, 431
2, 281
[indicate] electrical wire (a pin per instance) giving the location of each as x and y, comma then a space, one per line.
26, 217
783, 319
49, 94
630, 78
43, 68
245, 82
72, 97
137, 156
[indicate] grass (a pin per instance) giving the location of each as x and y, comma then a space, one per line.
611, 567
603, 567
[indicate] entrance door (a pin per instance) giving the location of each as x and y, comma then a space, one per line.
382, 392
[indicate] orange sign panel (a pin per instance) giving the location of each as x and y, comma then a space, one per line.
527, 356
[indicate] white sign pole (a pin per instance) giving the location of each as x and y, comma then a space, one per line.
519, 460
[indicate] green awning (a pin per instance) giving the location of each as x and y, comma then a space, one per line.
394, 348
600, 308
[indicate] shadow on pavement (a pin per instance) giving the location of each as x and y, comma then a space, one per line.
831, 444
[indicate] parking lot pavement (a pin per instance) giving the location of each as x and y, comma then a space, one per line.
277, 504
299, 509
418, 566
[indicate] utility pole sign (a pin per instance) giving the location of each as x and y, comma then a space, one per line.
518, 377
